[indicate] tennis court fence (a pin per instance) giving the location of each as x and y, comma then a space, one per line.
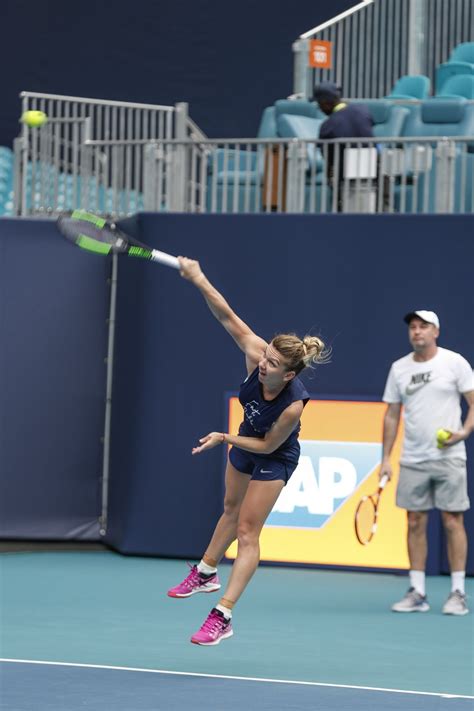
367, 48
51, 163
379, 175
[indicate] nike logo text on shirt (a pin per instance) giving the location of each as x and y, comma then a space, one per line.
417, 382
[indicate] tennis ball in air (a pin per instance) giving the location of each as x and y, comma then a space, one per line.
34, 119
442, 436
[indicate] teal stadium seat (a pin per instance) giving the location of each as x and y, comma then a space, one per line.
307, 127
267, 127
411, 86
389, 118
458, 86
461, 61
246, 175
6, 181
441, 117
48, 188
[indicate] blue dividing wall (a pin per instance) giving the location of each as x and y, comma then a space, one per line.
350, 278
53, 339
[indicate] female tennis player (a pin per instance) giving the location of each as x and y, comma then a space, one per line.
263, 455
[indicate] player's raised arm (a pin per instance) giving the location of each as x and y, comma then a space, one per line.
251, 344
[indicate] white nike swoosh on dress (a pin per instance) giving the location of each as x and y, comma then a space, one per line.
266, 471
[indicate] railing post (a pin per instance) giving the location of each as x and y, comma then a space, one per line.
18, 194
150, 170
416, 37
445, 163
301, 74
295, 176
179, 170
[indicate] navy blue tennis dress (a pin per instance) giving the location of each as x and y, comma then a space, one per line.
259, 416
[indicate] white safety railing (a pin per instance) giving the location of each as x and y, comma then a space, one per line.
409, 175
377, 41
54, 171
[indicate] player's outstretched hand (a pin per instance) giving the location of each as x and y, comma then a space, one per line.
189, 269
208, 442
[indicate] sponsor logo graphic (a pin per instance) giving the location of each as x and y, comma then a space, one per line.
417, 382
313, 520
327, 474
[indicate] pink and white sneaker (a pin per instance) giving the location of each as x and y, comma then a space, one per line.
195, 582
215, 628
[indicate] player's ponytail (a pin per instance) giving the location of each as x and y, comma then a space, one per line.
301, 353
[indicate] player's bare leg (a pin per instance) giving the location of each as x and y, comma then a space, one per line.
414, 599
203, 578
225, 532
417, 541
453, 523
257, 505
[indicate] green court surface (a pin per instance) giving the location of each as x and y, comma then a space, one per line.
333, 627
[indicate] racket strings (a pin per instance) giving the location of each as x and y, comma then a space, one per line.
365, 520
100, 237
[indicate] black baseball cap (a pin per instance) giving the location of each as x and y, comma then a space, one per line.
327, 90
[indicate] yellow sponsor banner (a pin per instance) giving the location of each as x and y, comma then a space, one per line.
313, 521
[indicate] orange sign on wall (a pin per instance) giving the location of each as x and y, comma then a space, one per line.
313, 520
320, 54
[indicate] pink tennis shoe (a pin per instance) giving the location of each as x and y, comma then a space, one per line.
215, 628
195, 582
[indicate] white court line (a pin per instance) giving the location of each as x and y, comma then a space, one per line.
239, 678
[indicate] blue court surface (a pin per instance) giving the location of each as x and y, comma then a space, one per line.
95, 630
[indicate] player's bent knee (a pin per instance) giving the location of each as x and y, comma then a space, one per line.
232, 508
247, 534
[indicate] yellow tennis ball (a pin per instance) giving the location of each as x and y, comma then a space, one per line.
34, 119
442, 436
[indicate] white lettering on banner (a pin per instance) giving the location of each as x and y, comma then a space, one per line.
331, 487
302, 489
337, 479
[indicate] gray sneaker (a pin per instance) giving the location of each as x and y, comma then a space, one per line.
412, 602
455, 604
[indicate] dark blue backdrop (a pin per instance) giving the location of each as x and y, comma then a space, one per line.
349, 278
228, 60
53, 336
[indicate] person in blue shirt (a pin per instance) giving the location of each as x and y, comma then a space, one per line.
263, 455
344, 121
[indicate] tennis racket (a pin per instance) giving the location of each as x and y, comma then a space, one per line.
365, 522
94, 234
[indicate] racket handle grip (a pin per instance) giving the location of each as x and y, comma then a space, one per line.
383, 481
163, 258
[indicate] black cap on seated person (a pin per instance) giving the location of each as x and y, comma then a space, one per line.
327, 90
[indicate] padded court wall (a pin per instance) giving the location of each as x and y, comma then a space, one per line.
350, 278
53, 339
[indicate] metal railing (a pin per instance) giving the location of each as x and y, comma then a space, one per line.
377, 41
409, 175
54, 171
63, 166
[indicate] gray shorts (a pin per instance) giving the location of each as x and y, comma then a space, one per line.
433, 484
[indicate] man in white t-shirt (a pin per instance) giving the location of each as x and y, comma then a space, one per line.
429, 383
